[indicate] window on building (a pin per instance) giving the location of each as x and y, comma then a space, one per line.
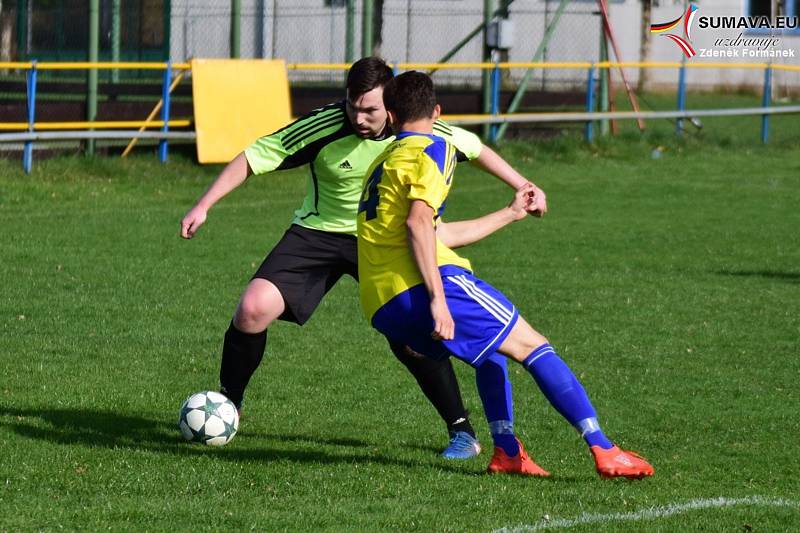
759, 8
763, 8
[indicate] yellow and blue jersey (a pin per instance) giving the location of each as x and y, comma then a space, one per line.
414, 166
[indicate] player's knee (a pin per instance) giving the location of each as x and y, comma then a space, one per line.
529, 337
255, 311
522, 341
403, 352
533, 341
538, 340
249, 310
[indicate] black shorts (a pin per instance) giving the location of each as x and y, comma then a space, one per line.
305, 264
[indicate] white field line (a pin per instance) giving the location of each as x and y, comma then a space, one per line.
651, 513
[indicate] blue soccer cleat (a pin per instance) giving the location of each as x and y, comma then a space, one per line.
462, 446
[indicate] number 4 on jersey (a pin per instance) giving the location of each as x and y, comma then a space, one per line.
369, 197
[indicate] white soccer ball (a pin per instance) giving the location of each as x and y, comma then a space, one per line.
208, 417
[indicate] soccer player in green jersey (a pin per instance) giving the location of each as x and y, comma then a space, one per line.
338, 142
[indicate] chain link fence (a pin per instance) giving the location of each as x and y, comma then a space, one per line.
315, 31
419, 31
297, 31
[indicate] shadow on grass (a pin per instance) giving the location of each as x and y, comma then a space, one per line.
424, 448
789, 277
112, 430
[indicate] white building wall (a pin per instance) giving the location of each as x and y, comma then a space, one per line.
662, 49
301, 31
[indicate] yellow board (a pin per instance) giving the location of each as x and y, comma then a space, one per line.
236, 101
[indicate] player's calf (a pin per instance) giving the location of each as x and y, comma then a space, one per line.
566, 394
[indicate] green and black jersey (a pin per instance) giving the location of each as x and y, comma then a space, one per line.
338, 159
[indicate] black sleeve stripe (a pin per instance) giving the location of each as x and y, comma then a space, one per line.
301, 133
442, 127
309, 122
336, 124
309, 152
314, 179
304, 119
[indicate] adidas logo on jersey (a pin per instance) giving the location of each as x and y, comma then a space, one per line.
346, 165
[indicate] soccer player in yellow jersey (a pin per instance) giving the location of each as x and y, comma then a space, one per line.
417, 291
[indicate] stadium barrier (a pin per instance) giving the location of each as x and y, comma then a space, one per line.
31, 130
84, 129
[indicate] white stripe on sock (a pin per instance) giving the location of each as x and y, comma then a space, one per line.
543, 352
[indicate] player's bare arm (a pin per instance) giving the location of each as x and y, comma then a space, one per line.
491, 162
464, 232
422, 241
233, 175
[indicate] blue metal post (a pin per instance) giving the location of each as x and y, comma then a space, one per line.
681, 98
765, 101
495, 102
395, 70
27, 153
163, 145
590, 103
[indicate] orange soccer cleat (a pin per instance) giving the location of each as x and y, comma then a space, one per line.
520, 464
615, 462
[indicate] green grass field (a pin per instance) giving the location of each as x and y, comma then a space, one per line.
670, 285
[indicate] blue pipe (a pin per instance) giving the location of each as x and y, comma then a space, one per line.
681, 98
163, 145
27, 153
590, 103
765, 102
495, 88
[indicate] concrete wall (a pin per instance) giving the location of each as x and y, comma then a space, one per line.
424, 30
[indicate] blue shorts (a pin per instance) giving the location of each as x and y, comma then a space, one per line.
483, 318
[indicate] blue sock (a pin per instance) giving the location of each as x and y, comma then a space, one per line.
565, 393
495, 392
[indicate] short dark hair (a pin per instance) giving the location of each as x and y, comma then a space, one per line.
410, 96
366, 74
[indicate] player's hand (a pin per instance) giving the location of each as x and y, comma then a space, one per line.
444, 328
539, 206
523, 202
192, 221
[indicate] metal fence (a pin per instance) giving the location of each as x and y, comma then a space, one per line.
494, 122
315, 31
299, 31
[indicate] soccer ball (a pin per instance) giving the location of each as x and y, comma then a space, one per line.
208, 417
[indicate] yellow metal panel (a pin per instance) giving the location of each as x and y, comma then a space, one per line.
236, 101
